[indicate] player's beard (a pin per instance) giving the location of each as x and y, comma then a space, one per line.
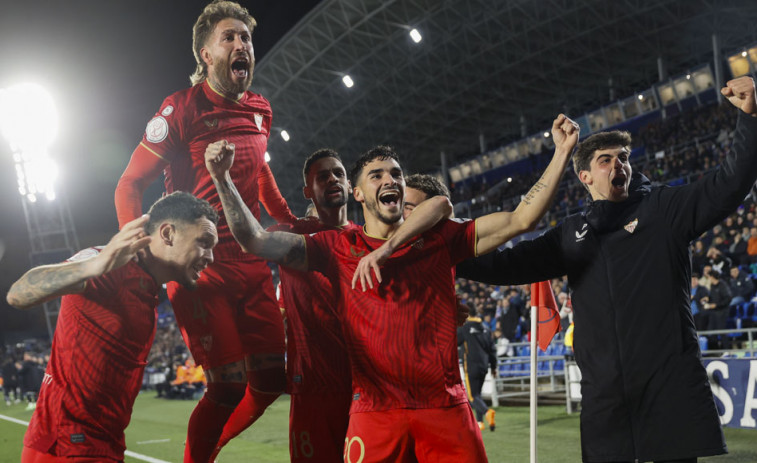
333, 203
223, 78
384, 216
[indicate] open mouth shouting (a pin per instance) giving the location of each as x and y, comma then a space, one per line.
240, 67
390, 197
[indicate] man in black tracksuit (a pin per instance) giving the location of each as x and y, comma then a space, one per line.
646, 395
479, 354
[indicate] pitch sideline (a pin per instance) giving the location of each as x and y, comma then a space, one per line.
128, 453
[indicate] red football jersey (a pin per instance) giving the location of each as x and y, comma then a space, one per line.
96, 366
317, 359
187, 122
401, 335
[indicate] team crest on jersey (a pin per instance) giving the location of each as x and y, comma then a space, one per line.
157, 130
211, 124
207, 342
167, 110
259, 120
631, 226
418, 244
356, 253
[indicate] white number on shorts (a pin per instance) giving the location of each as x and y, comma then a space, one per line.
348, 446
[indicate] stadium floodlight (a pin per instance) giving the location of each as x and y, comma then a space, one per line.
416, 36
29, 122
688, 76
267, 157
743, 53
641, 97
285, 135
348, 82
546, 134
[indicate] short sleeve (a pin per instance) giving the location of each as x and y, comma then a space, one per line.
320, 249
460, 237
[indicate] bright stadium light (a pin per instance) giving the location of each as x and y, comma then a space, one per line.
285, 135
546, 134
641, 97
267, 157
29, 122
416, 36
743, 53
348, 82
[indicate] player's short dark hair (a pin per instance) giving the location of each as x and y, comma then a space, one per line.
316, 156
428, 184
213, 13
381, 152
181, 207
599, 141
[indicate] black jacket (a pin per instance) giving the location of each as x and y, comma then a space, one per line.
479, 353
645, 393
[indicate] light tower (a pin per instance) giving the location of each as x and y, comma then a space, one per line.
29, 123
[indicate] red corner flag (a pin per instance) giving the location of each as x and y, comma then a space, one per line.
549, 317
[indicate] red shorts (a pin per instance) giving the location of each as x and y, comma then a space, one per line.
415, 435
318, 426
231, 314
29, 455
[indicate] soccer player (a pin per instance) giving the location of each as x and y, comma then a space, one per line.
646, 396
420, 187
107, 323
407, 391
231, 322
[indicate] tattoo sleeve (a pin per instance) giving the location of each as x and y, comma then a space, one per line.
280, 247
46, 282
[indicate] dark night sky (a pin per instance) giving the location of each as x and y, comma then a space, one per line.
108, 65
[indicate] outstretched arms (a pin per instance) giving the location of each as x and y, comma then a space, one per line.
283, 248
47, 282
496, 229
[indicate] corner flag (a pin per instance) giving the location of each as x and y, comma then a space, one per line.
543, 299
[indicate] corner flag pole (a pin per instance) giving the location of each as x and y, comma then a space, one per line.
533, 401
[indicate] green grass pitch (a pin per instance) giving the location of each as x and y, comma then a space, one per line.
158, 428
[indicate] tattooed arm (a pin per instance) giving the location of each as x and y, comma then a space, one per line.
496, 229
47, 282
283, 248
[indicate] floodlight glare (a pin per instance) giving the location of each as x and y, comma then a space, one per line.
285, 135
743, 53
348, 82
29, 122
509, 179
546, 134
416, 36
688, 76
641, 97
267, 157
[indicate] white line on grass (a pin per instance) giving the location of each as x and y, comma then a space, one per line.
128, 453
154, 441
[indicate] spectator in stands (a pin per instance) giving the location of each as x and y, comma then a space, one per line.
737, 251
717, 260
717, 307
741, 286
637, 346
752, 245
698, 256
699, 297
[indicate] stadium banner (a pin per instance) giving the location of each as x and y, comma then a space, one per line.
734, 385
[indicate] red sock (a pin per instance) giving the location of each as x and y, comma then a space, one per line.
208, 420
254, 402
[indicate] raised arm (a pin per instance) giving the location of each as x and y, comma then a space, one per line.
270, 196
283, 248
425, 216
496, 229
47, 282
143, 169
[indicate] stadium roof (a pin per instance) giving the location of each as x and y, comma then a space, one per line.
483, 67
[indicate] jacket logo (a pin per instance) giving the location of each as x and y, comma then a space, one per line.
259, 120
580, 235
631, 226
211, 124
356, 253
